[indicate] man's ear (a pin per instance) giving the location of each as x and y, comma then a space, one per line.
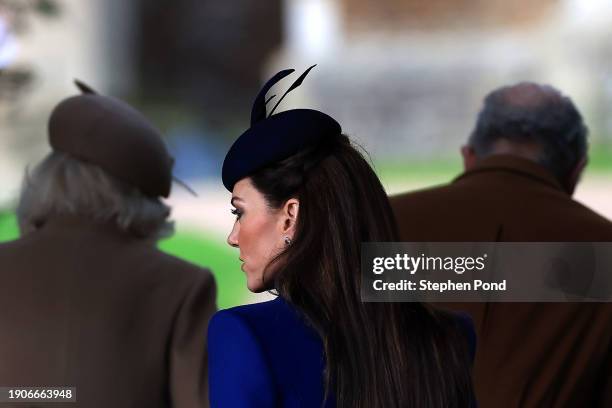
469, 157
574, 176
289, 215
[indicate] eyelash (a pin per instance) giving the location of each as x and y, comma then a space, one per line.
236, 212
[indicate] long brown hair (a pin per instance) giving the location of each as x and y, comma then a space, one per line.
377, 354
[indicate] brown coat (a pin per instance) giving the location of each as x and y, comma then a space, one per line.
85, 305
528, 354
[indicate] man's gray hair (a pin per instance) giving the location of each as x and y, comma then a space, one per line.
64, 185
533, 113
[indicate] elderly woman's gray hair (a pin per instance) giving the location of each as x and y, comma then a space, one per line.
64, 185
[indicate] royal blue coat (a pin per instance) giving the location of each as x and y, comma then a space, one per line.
264, 355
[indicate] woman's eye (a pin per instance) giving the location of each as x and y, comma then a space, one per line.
236, 212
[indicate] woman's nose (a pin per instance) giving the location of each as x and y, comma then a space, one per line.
232, 238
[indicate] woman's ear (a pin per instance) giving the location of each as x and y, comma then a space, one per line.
289, 215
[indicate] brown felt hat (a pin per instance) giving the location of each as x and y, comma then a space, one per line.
111, 134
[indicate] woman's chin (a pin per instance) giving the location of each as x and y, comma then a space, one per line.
255, 287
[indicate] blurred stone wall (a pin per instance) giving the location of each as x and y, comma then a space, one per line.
444, 14
407, 79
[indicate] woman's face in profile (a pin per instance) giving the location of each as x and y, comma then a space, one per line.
259, 232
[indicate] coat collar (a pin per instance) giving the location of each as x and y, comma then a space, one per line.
83, 224
515, 165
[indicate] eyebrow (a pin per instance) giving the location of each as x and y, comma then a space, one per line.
236, 198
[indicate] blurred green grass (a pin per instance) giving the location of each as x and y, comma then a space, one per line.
209, 250
201, 249
600, 160
8, 226
443, 168
419, 171
214, 253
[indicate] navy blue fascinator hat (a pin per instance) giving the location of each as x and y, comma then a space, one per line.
272, 138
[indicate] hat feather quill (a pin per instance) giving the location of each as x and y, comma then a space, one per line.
294, 85
258, 112
83, 87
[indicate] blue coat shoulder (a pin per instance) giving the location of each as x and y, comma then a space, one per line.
264, 355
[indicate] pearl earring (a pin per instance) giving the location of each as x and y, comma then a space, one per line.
287, 241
